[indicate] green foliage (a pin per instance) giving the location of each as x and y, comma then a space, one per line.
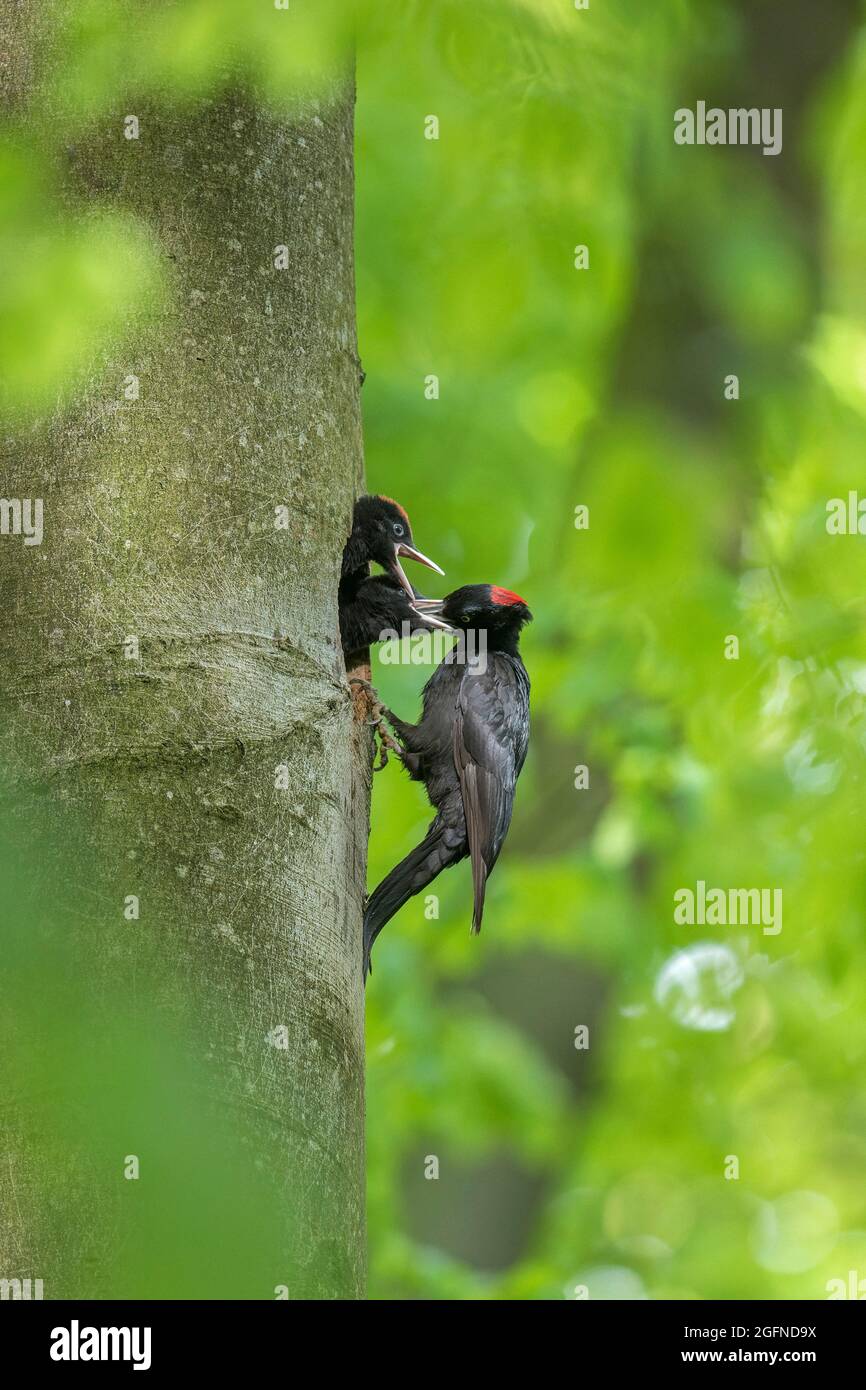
562, 1166
605, 387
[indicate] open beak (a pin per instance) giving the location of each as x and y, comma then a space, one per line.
431, 621
426, 608
411, 554
428, 605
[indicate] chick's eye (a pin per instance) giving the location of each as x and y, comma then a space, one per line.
399, 529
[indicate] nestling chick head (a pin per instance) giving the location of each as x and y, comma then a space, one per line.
383, 527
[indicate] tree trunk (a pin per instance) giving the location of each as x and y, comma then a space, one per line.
186, 1034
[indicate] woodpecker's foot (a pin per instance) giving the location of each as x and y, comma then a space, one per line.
386, 741
377, 709
365, 685
379, 715
375, 706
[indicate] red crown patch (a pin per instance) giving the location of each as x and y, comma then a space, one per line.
504, 597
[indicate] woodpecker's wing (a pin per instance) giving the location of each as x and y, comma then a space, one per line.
491, 733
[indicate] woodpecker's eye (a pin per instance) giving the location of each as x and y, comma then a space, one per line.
399, 528
465, 618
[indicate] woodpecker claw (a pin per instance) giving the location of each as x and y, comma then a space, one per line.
365, 685
373, 702
386, 741
380, 714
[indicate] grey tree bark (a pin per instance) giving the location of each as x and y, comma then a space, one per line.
179, 747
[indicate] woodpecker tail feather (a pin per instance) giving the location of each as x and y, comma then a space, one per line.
479, 888
440, 848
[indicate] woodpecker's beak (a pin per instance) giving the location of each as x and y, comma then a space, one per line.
428, 605
431, 621
426, 608
411, 554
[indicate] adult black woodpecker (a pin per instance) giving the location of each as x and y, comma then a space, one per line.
468, 749
381, 534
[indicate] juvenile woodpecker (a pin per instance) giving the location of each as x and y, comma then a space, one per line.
379, 605
381, 534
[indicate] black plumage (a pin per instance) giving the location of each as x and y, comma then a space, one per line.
381, 534
375, 608
468, 749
